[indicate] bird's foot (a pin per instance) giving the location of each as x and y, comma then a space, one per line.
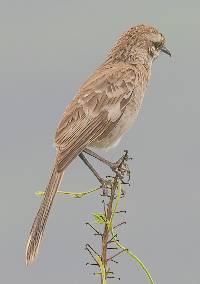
121, 168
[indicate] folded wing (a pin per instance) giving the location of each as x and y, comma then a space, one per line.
96, 109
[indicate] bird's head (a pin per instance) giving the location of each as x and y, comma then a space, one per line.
150, 39
140, 41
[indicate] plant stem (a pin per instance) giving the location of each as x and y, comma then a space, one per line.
107, 231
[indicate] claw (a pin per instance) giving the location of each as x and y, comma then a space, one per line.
121, 168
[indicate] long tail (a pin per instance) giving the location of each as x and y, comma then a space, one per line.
40, 221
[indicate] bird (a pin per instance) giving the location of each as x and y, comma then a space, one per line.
103, 109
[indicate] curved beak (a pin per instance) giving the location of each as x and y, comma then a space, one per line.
165, 50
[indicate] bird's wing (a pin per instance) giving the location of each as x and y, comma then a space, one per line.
96, 109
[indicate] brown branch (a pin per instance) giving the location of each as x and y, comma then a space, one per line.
107, 239
108, 213
106, 233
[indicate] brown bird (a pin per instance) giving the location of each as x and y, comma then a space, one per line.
103, 109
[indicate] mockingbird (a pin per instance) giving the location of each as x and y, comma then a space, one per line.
104, 108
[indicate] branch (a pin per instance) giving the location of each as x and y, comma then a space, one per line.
109, 236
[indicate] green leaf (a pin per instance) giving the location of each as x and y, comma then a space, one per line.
72, 194
100, 218
39, 193
78, 194
120, 245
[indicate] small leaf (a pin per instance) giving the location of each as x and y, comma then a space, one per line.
39, 193
99, 218
78, 194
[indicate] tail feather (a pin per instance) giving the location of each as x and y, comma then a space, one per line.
40, 221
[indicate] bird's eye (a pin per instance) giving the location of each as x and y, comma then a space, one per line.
157, 45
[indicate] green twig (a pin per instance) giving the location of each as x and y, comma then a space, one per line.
72, 194
120, 245
102, 269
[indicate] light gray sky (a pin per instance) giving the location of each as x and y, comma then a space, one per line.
48, 48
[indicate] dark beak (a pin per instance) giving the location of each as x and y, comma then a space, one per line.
165, 50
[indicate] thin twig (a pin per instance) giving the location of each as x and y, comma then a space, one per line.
116, 254
123, 223
97, 232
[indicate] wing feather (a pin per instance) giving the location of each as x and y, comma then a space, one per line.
94, 112
85, 136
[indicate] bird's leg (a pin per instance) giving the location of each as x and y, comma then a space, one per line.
120, 167
96, 156
89, 165
105, 183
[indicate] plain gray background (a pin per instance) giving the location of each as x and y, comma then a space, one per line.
47, 49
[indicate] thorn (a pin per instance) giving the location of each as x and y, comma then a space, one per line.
111, 277
112, 239
126, 183
112, 248
116, 254
97, 232
121, 211
123, 223
88, 248
92, 264
114, 261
